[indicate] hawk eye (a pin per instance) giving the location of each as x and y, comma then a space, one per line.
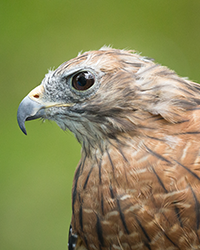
83, 80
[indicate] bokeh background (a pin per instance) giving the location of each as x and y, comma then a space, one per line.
36, 171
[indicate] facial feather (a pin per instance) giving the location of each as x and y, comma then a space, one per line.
127, 89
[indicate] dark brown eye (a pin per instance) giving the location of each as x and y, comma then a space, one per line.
83, 80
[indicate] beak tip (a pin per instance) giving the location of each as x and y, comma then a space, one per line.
21, 122
25, 132
28, 110
23, 129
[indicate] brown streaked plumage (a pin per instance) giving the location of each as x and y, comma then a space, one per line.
137, 185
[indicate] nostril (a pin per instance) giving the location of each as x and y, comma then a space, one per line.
36, 96
37, 93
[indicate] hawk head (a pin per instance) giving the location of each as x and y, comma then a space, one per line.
107, 93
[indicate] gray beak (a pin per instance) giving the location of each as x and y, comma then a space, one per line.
28, 110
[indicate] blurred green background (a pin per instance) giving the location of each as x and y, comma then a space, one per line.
36, 171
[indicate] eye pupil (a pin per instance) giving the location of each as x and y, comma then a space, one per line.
83, 80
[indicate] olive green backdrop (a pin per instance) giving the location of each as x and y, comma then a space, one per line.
36, 171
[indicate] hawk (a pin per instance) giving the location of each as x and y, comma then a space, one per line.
137, 185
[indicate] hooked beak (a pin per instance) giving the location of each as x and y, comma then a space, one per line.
31, 107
